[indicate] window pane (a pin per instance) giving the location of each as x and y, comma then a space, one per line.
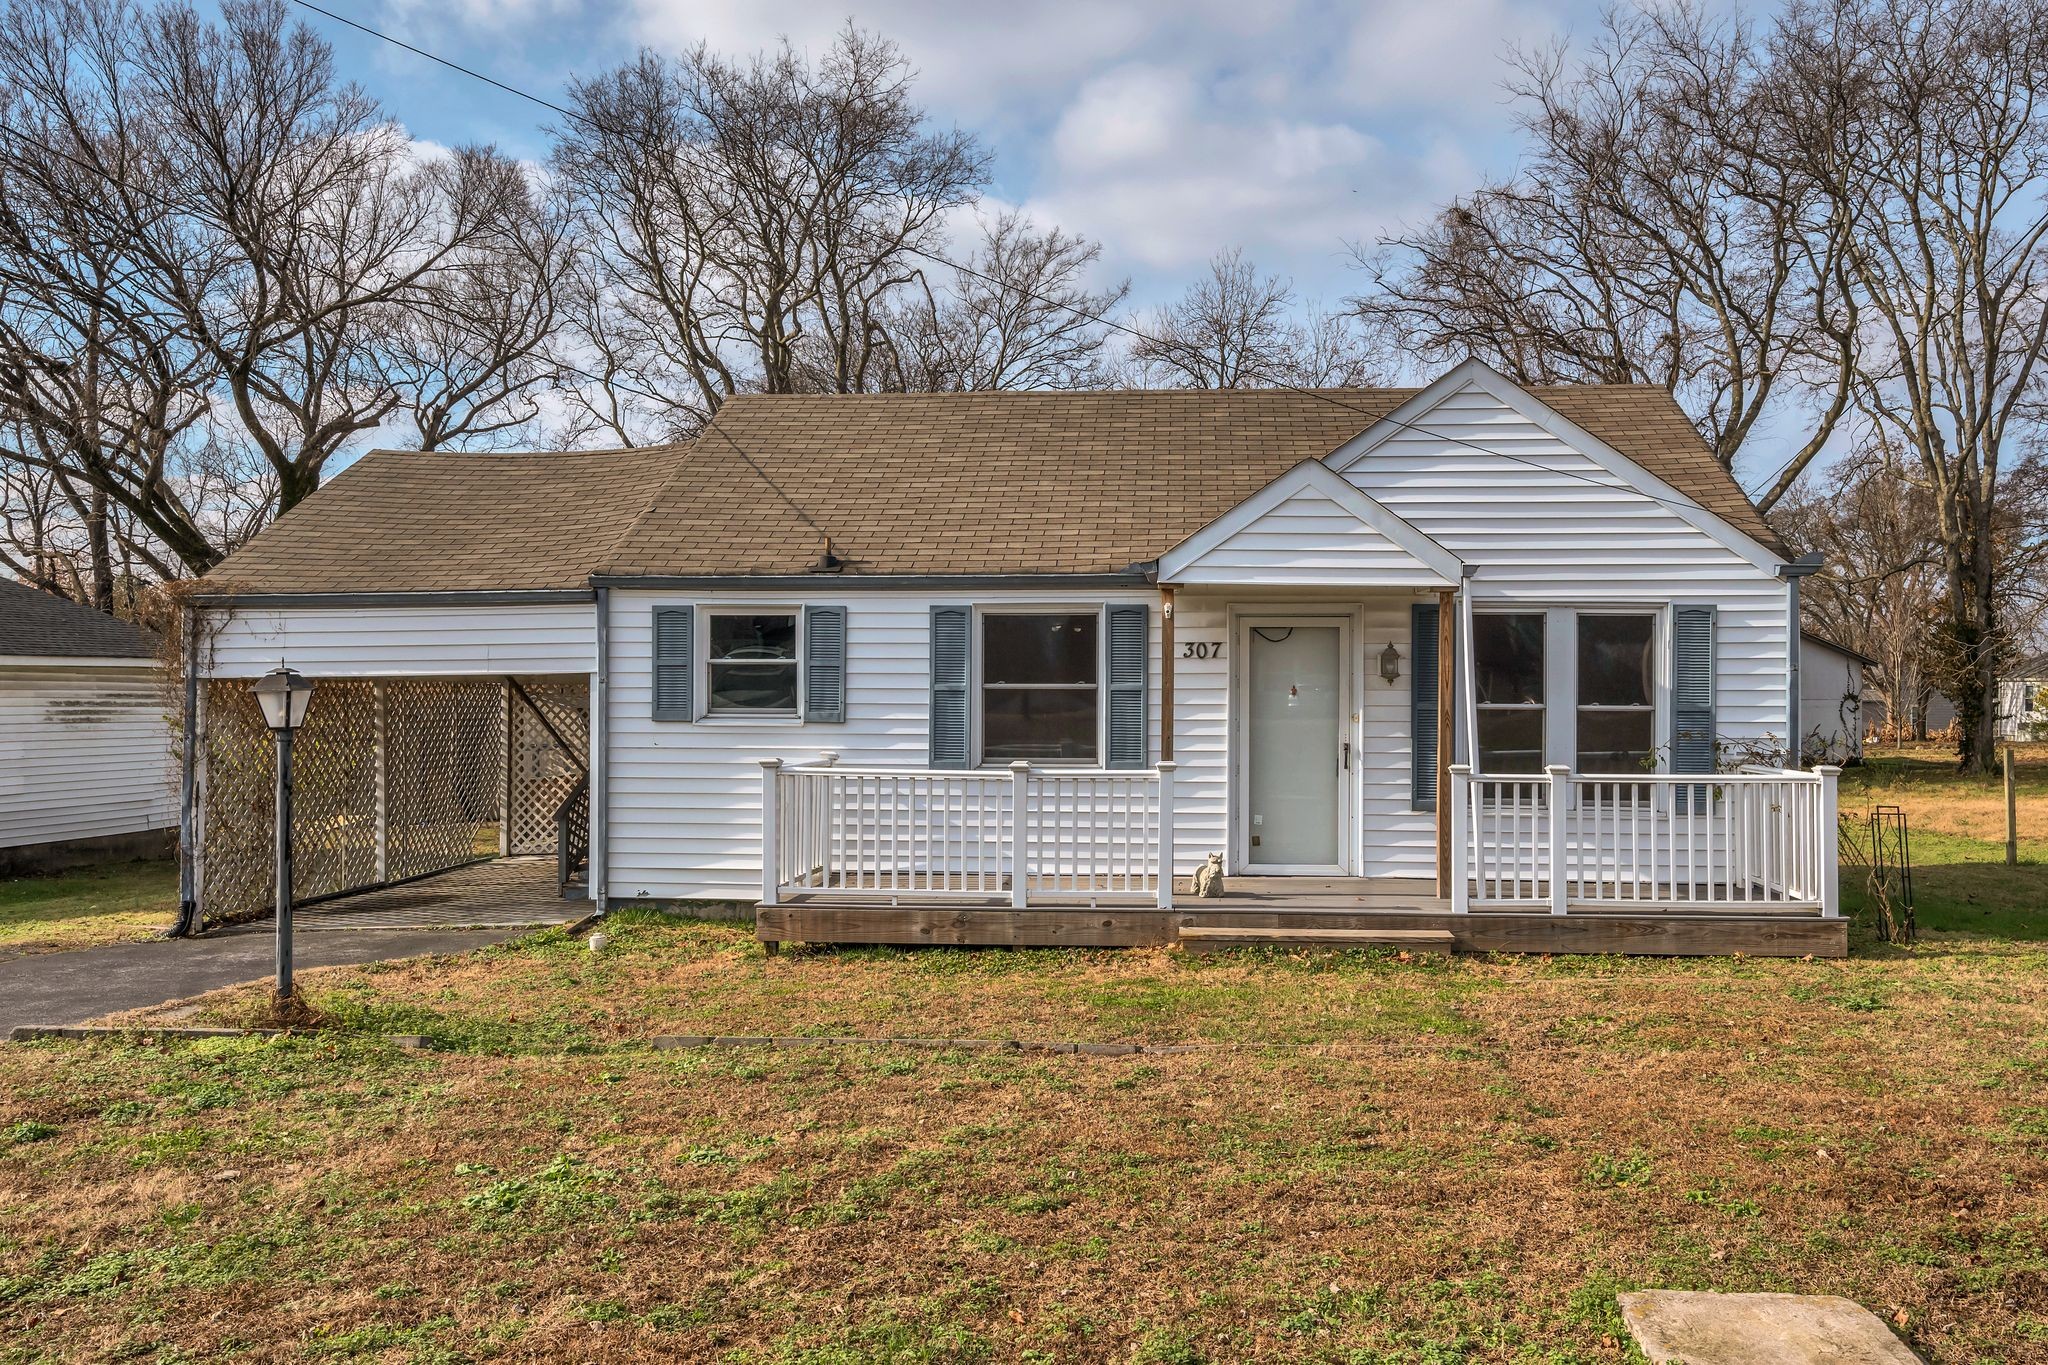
1509, 652
1616, 742
1511, 741
1038, 725
753, 637
1038, 649
753, 687
1615, 660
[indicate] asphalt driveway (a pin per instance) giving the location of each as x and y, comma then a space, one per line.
72, 987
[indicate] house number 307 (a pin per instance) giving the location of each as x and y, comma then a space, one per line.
1202, 649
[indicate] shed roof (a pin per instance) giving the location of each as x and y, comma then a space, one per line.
37, 624
925, 484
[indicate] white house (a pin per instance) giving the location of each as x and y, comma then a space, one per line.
85, 745
1830, 699
1010, 667
2023, 700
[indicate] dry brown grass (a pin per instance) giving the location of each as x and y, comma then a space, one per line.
1465, 1172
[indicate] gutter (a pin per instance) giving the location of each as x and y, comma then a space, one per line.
1137, 576
503, 597
1803, 567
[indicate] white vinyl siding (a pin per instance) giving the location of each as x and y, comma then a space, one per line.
685, 818
402, 641
1568, 533
84, 753
1308, 540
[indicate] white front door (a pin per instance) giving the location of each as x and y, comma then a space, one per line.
1295, 690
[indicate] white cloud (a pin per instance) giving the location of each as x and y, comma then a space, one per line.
1166, 129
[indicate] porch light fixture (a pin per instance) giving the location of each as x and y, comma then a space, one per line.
284, 696
1390, 663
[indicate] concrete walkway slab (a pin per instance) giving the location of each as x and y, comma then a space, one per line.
1682, 1327
70, 988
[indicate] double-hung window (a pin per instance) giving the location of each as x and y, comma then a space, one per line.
751, 662
1617, 701
1507, 673
1040, 686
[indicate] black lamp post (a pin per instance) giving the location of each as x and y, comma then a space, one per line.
284, 697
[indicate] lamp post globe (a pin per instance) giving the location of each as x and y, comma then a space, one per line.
284, 697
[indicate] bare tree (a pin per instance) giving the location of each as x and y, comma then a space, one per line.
1662, 232
1018, 315
1236, 328
1925, 124
1880, 589
468, 348
751, 224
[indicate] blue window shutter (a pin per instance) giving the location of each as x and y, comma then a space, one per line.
1422, 705
949, 686
825, 664
1130, 646
1692, 695
675, 663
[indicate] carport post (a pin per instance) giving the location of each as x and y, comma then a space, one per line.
381, 747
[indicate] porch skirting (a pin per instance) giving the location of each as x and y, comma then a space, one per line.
1641, 933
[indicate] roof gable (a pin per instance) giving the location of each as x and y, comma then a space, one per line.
1753, 539
1309, 526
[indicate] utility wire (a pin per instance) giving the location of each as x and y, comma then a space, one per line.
1319, 395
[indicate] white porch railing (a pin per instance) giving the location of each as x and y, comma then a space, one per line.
1757, 840
1019, 836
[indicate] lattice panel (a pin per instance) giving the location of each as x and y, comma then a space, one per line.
443, 787
543, 773
333, 796
443, 743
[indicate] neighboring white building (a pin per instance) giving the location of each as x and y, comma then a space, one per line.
85, 743
972, 667
2023, 700
1830, 699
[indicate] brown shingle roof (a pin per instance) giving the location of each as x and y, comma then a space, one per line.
982, 483
422, 521
1048, 482
39, 625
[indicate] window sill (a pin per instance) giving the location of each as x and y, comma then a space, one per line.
748, 722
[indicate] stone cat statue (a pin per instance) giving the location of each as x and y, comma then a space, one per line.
1209, 877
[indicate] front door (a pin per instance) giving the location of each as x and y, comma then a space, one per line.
1292, 815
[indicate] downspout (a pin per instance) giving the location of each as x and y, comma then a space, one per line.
1792, 574
188, 786
600, 743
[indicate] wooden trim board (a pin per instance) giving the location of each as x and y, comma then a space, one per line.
1651, 935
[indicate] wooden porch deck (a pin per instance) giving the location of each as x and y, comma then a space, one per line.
1300, 902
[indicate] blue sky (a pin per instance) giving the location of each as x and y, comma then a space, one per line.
1165, 131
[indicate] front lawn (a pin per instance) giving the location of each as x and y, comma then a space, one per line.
1437, 1162
1369, 1159
116, 903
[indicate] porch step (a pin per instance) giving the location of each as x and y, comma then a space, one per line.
1219, 938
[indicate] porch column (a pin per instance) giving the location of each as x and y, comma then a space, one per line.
1560, 797
1826, 844
771, 831
1461, 838
1446, 707
1166, 835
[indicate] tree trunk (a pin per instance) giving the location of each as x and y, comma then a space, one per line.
101, 586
